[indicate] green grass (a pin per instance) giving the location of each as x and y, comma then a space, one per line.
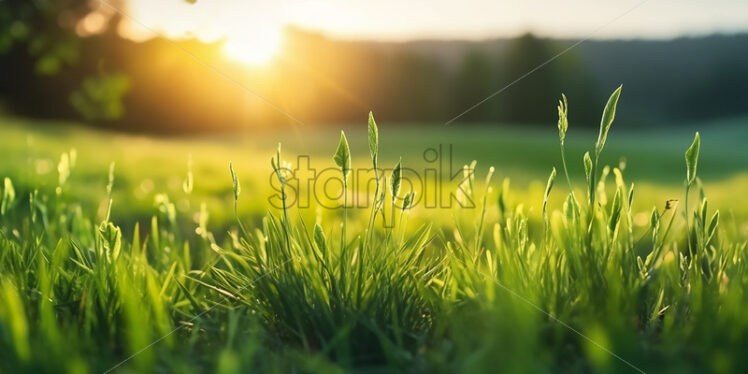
157, 267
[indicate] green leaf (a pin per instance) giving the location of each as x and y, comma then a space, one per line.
408, 200
235, 182
692, 159
395, 179
615, 210
319, 238
9, 195
373, 139
342, 157
654, 219
713, 224
548, 188
588, 167
609, 114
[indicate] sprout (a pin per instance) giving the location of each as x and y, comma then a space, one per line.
692, 159
373, 139
588, 167
342, 157
609, 114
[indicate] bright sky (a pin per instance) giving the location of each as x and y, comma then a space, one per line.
259, 24
471, 19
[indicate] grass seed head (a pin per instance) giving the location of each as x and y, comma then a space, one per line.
563, 118
395, 179
235, 182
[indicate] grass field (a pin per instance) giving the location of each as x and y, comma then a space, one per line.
145, 266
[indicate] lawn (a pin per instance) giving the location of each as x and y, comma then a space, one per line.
132, 253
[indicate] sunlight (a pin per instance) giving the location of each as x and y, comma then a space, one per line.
257, 49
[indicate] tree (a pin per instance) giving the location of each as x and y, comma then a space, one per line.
474, 82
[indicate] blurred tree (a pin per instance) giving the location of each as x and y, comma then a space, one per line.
45, 38
100, 97
45, 28
533, 98
417, 88
474, 81
575, 80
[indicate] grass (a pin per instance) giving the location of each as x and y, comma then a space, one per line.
98, 275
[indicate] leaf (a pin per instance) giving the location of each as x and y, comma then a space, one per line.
588, 167
548, 188
615, 210
654, 219
9, 195
692, 159
713, 226
235, 182
319, 238
408, 200
631, 196
609, 114
373, 139
342, 157
395, 179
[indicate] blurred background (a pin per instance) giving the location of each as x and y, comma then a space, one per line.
147, 84
140, 65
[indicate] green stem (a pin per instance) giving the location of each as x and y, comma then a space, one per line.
688, 223
285, 216
566, 171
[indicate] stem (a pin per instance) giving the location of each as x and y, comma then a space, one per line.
664, 237
345, 215
688, 224
566, 171
285, 216
372, 214
367, 239
593, 181
343, 256
239, 221
403, 220
593, 187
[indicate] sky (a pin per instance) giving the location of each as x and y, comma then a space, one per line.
437, 19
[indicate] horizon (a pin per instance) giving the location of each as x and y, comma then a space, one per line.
255, 33
373, 21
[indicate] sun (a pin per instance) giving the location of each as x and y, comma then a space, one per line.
253, 49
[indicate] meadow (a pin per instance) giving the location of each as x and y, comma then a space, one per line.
131, 253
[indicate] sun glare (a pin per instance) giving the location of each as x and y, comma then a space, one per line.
256, 49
